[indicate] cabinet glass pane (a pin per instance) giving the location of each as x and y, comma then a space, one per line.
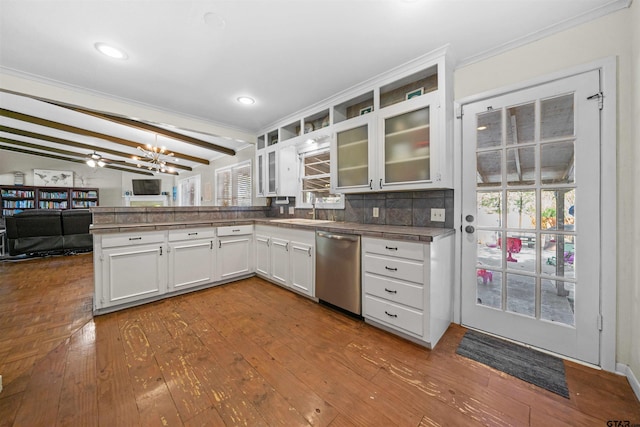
260, 174
406, 147
353, 157
272, 171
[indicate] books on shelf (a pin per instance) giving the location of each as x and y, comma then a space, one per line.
15, 199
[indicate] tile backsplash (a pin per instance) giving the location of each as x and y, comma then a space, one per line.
411, 208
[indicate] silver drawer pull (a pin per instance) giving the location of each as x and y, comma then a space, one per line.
389, 248
391, 268
391, 291
389, 314
135, 238
237, 230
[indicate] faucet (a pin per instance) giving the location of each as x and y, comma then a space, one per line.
313, 206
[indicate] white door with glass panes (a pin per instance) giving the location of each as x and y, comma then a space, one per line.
531, 216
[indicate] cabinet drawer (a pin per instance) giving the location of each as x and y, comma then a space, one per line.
412, 271
130, 239
399, 317
235, 230
394, 248
393, 290
192, 234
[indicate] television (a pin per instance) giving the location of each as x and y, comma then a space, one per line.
146, 187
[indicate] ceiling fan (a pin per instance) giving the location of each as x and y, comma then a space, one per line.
96, 160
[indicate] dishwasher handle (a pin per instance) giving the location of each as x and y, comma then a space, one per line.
338, 236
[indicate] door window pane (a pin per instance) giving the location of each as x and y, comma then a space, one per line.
490, 209
490, 249
521, 211
521, 166
558, 255
521, 122
558, 301
558, 210
556, 117
489, 288
521, 294
557, 163
489, 129
489, 165
521, 252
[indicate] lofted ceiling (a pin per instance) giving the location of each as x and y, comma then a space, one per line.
194, 58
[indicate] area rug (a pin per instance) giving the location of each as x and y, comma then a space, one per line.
535, 367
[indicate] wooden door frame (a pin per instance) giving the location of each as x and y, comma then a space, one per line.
608, 186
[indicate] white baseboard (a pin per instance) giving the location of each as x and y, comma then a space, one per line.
627, 372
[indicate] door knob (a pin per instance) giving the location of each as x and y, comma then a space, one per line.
469, 229
469, 218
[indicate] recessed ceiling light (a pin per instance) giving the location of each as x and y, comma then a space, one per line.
482, 127
246, 100
110, 51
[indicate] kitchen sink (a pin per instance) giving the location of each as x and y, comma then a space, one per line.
301, 221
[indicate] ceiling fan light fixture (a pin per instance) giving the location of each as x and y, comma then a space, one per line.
91, 163
110, 51
100, 163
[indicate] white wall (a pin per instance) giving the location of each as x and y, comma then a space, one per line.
602, 38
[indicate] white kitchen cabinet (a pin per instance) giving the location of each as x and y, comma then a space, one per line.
390, 149
302, 272
407, 287
263, 261
280, 261
129, 267
291, 257
281, 170
235, 251
261, 188
191, 258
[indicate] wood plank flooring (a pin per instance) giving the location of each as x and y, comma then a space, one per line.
251, 353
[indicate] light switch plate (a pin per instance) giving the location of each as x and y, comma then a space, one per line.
281, 209
376, 212
292, 210
437, 215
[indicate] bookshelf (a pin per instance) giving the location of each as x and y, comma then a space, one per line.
15, 199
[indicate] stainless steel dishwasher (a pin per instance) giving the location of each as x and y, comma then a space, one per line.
338, 280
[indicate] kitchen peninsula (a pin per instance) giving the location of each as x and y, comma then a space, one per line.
146, 254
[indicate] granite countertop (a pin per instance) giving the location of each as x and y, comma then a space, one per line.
396, 232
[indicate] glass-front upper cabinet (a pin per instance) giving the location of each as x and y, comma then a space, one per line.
260, 172
407, 136
352, 156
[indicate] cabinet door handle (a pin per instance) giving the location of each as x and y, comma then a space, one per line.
135, 238
381, 183
370, 184
286, 246
309, 251
391, 268
268, 242
391, 291
389, 314
390, 248
219, 244
211, 247
160, 250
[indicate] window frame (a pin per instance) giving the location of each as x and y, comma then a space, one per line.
303, 152
234, 183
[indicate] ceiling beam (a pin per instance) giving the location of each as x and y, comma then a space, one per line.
69, 143
85, 132
151, 128
138, 124
53, 156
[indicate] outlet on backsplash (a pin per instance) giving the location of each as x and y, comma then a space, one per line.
437, 215
292, 210
376, 212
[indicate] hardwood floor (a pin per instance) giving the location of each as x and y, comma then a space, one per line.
250, 353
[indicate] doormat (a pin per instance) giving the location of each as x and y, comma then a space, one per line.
529, 365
